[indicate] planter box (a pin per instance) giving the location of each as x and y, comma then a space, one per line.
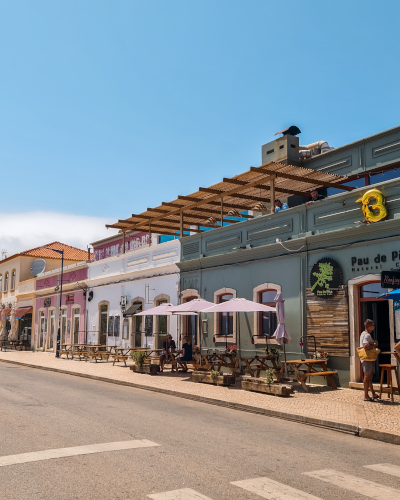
260, 385
147, 368
205, 378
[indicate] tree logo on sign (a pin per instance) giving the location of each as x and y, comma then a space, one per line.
325, 278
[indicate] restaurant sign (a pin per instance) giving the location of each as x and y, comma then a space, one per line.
325, 278
390, 279
69, 298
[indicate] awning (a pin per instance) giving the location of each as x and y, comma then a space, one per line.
21, 311
8, 311
132, 309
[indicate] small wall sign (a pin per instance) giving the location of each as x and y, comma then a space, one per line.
69, 298
390, 279
47, 302
325, 278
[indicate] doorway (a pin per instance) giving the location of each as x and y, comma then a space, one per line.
371, 307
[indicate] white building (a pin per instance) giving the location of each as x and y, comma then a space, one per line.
133, 281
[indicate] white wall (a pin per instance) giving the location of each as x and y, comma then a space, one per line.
127, 275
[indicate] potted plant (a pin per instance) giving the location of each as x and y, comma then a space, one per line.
323, 355
267, 385
214, 377
139, 366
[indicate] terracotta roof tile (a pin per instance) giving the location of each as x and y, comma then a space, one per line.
70, 253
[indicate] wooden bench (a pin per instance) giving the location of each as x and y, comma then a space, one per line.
80, 355
63, 351
99, 355
119, 357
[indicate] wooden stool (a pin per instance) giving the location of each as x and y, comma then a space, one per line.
389, 389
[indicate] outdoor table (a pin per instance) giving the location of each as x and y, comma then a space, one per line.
79, 350
66, 349
3, 345
220, 359
301, 374
256, 364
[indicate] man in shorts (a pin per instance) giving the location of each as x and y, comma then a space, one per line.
368, 343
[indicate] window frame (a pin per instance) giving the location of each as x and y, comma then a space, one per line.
13, 280
264, 287
6, 282
230, 339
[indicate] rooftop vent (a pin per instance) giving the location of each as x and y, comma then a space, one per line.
292, 130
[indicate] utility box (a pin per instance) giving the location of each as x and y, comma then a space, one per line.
283, 150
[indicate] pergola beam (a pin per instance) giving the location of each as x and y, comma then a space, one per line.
209, 210
268, 188
237, 195
213, 203
301, 179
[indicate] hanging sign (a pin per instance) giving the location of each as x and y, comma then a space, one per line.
390, 279
47, 302
376, 211
325, 278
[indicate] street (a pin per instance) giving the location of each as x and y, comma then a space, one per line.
195, 447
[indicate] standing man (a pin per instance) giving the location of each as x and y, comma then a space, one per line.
368, 343
315, 196
168, 346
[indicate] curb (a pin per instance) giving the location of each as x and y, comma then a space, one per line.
366, 432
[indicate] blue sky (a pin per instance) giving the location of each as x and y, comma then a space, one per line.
110, 107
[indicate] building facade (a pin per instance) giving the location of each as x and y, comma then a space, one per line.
133, 281
327, 241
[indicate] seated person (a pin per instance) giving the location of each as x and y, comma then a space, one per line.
186, 354
397, 348
279, 206
315, 196
168, 346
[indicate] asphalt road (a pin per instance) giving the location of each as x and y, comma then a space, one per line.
202, 447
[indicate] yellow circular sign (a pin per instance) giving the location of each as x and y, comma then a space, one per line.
373, 212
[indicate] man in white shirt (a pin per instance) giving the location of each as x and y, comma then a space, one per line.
368, 343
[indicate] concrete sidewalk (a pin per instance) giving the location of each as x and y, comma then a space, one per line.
343, 409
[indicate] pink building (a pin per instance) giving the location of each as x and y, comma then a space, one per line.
112, 247
73, 317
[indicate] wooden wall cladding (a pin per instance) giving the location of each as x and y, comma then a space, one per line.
328, 321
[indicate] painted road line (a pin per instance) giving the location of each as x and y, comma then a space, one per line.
356, 484
393, 470
36, 456
267, 488
184, 494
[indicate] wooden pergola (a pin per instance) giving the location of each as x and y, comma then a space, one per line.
216, 205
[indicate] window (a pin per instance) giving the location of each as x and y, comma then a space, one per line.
162, 320
13, 275
42, 329
6, 282
75, 319
52, 328
103, 324
191, 324
268, 322
225, 319
63, 325
1, 283
125, 329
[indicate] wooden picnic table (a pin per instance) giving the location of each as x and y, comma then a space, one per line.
217, 359
303, 369
255, 364
65, 348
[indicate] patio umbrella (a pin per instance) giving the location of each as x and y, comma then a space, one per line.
192, 307
161, 310
393, 295
3, 331
13, 336
281, 334
238, 306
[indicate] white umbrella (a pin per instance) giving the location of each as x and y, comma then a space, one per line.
281, 334
236, 306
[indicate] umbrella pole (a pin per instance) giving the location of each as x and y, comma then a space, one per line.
238, 342
284, 354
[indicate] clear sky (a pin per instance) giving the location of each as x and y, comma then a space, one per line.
110, 107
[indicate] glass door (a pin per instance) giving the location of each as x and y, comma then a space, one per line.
76, 325
371, 307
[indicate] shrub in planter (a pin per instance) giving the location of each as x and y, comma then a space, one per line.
138, 357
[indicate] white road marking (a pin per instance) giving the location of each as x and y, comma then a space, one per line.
356, 484
393, 470
267, 488
184, 494
36, 456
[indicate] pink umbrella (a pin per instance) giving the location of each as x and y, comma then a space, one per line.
192, 307
281, 334
236, 306
161, 310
